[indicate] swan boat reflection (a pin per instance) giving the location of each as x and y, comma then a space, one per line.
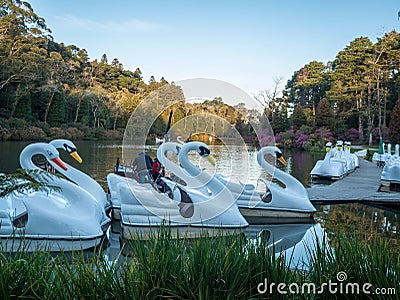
295, 240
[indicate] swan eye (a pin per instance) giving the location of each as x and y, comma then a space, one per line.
69, 149
203, 151
49, 153
278, 154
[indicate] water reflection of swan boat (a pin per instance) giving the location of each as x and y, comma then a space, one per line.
67, 219
296, 241
78, 177
279, 236
143, 206
338, 162
290, 201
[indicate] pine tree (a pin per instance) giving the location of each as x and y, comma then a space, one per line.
324, 114
84, 112
24, 109
57, 111
104, 59
280, 120
394, 126
298, 117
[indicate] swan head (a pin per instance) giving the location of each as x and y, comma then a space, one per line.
272, 150
202, 149
179, 139
68, 147
50, 153
328, 146
279, 156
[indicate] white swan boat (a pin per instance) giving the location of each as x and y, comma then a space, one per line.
391, 170
58, 220
77, 176
290, 201
352, 157
144, 206
338, 162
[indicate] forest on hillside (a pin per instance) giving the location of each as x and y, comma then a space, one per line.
50, 90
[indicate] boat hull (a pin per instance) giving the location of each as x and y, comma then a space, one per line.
38, 243
256, 216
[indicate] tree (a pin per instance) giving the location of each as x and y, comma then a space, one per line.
24, 107
23, 36
53, 82
23, 39
298, 117
57, 110
83, 115
324, 116
394, 126
269, 99
280, 121
308, 86
388, 67
104, 59
350, 80
56, 71
244, 128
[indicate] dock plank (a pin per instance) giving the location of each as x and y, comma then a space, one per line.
360, 186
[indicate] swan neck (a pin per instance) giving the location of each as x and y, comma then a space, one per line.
25, 158
275, 172
185, 162
162, 157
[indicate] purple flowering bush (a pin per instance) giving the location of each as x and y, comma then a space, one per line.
384, 132
266, 137
350, 135
299, 140
304, 138
278, 138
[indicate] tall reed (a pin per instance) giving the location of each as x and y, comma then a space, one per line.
222, 267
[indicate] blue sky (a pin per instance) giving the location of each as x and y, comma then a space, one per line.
246, 43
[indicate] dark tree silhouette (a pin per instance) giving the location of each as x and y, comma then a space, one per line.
394, 126
324, 117
298, 117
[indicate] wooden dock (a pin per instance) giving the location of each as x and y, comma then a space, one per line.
363, 185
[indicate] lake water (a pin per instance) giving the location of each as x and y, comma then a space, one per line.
367, 222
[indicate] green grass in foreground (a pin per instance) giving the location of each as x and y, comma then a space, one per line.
204, 268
